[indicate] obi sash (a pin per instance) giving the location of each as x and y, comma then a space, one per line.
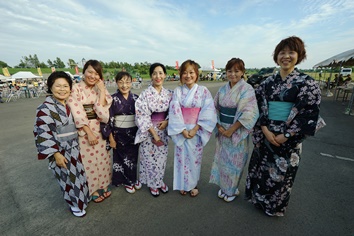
278, 110
227, 114
67, 132
90, 112
156, 117
190, 114
124, 121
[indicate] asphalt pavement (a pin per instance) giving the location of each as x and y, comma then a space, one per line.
321, 201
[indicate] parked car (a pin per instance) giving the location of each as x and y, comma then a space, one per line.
257, 78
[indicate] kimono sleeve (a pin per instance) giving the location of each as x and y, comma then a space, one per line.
176, 121
305, 113
75, 102
262, 104
107, 128
45, 134
247, 114
207, 117
103, 111
142, 118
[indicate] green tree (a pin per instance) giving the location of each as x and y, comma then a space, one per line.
72, 63
29, 62
59, 63
50, 63
3, 64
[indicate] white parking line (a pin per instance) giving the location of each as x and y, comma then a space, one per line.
338, 157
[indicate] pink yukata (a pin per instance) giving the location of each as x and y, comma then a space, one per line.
96, 159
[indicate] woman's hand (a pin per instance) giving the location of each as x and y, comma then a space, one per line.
60, 160
221, 129
270, 136
112, 142
162, 125
227, 133
280, 138
100, 85
92, 139
185, 134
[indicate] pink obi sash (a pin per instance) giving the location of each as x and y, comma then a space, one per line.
190, 114
156, 117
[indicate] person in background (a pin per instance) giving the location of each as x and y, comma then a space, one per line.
90, 101
237, 113
289, 106
152, 119
120, 133
192, 118
57, 140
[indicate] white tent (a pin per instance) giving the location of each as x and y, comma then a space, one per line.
206, 69
342, 59
25, 75
4, 78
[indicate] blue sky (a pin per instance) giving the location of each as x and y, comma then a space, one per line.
168, 31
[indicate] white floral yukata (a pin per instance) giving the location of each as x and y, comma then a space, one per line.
188, 152
153, 159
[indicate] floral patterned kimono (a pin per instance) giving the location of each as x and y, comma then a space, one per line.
272, 169
188, 152
231, 154
86, 110
153, 159
55, 131
122, 125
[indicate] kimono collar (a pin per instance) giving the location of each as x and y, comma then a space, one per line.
52, 100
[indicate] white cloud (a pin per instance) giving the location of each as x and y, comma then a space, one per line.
166, 31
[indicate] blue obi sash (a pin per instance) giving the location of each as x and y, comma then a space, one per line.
227, 114
278, 110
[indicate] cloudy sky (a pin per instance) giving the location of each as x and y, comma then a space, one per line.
173, 30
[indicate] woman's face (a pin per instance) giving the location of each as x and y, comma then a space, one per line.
61, 90
158, 76
189, 77
124, 85
234, 75
91, 76
287, 59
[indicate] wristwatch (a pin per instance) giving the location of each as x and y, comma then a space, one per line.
287, 135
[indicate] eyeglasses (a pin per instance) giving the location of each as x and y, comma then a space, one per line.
124, 82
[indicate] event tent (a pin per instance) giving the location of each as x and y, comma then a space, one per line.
342, 59
25, 75
4, 78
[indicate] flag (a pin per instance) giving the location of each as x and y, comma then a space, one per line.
177, 66
53, 69
212, 64
5, 71
76, 70
39, 71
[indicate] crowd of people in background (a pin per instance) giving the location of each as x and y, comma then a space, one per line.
80, 125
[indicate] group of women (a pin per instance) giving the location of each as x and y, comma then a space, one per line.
78, 125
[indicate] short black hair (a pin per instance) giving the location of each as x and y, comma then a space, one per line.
153, 66
58, 75
122, 74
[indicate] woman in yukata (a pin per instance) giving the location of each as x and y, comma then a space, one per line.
152, 119
192, 118
237, 113
289, 106
57, 140
120, 132
89, 102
